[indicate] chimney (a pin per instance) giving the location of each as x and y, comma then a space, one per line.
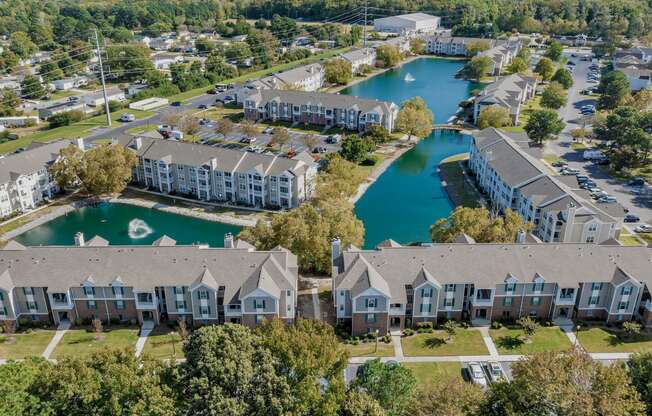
520, 236
80, 143
336, 254
228, 240
138, 142
79, 239
213, 163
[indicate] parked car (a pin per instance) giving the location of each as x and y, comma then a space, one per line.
607, 200
599, 194
319, 149
164, 127
601, 161
495, 371
248, 140
476, 375
570, 171
268, 130
333, 139
643, 228
631, 218
581, 179
588, 185
202, 106
559, 164
127, 117
176, 104
636, 182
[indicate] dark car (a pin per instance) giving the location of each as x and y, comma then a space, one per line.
636, 182
559, 164
202, 106
176, 104
601, 161
631, 218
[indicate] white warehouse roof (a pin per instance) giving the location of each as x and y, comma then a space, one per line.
412, 21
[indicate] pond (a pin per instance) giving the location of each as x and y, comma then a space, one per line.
123, 224
407, 198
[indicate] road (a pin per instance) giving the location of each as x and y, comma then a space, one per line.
640, 206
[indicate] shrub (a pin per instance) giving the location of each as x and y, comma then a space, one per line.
465, 324
407, 332
387, 339
496, 325
424, 325
114, 320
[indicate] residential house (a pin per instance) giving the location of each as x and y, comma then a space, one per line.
161, 282
333, 110
161, 43
513, 179
408, 24
501, 55
509, 92
639, 78
19, 121
164, 60
61, 107
96, 99
223, 175
360, 57
65, 84
640, 53
394, 287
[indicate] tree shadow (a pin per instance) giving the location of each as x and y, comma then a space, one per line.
434, 342
510, 342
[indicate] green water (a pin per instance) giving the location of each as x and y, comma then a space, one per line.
112, 222
408, 197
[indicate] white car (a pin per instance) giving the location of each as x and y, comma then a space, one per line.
268, 130
127, 117
476, 374
644, 228
495, 371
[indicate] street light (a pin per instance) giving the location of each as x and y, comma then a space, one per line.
376, 332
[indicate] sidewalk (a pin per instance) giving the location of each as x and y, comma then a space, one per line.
61, 331
608, 356
315, 303
145, 330
488, 341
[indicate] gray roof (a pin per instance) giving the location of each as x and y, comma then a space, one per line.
486, 265
31, 160
357, 54
507, 91
295, 75
413, 17
98, 95
59, 268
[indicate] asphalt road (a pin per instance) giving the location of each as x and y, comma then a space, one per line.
640, 206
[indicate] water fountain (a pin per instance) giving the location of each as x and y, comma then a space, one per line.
139, 229
408, 78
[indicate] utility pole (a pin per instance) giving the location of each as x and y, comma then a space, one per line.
106, 98
364, 29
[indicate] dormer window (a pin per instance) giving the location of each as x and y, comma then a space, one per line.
117, 290
510, 287
89, 290
538, 286
426, 292
202, 294
371, 302
259, 303
626, 290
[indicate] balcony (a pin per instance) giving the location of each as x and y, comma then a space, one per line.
483, 297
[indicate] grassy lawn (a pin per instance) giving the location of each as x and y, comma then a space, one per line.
509, 340
458, 189
368, 349
21, 345
626, 174
629, 240
465, 342
164, 343
427, 373
61, 94
142, 129
647, 237
551, 158
608, 340
80, 342
579, 146
380, 157
526, 111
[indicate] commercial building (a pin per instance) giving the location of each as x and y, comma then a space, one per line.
509, 92
360, 57
136, 284
333, 110
24, 178
408, 23
394, 287
19, 121
223, 175
513, 179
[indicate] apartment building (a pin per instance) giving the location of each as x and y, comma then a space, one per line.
509, 92
501, 55
322, 109
639, 78
222, 175
161, 282
394, 287
513, 179
304, 78
24, 178
359, 57
448, 45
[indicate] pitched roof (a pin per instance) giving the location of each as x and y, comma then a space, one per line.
97, 241
30, 161
164, 241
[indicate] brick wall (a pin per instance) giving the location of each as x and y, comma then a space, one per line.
359, 325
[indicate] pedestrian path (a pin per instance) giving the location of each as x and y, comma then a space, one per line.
315, 304
58, 335
398, 346
145, 330
607, 356
572, 337
488, 342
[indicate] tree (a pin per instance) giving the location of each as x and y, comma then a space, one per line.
218, 69
9, 103
640, 371
449, 397
518, 65
524, 54
578, 134
554, 96
356, 149
378, 134
16, 379
50, 71
310, 141
339, 179
8, 61
545, 68
554, 50
451, 328
263, 46
414, 118
31, 88
65, 170
478, 224
189, 124
475, 47
614, 88
280, 136
631, 329
388, 56
392, 385
494, 116
529, 326
22, 45
626, 130
477, 67
563, 383
417, 46
249, 128
338, 71
543, 125
129, 62
224, 126
564, 77
359, 403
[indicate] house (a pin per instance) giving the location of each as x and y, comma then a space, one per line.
161, 43
157, 283
304, 78
148, 104
331, 110
222, 175
639, 78
509, 92
65, 84
513, 179
19, 121
58, 108
407, 24
394, 287
24, 178
164, 60
360, 57
96, 99
133, 89
643, 54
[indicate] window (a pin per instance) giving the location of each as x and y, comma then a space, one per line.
508, 301
426, 307
89, 290
371, 303
202, 294
3, 311
118, 290
234, 307
538, 286
626, 290
91, 304
145, 297
56, 297
567, 293
259, 303
449, 302
28, 291
370, 318
179, 290
119, 304
180, 304
483, 294
596, 286
205, 310
623, 305
510, 287
395, 305
535, 301
426, 292
2, 296
449, 288
288, 293
594, 300
260, 319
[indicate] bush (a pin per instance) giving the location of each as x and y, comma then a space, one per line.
496, 325
370, 336
370, 161
65, 119
114, 320
387, 339
407, 332
423, 325
465, 324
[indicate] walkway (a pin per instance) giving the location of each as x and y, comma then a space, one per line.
316, 308
398, 346
488, 342
58, 335
145, 330
607, 356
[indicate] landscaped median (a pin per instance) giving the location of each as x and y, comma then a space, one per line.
25, 343
440, 343
82, 341
603, 339
512, 340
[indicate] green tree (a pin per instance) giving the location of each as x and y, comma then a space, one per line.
543, 125
554, 50
388, 56
21, 44
16, 380
339, 179
359, 403
545, 68
614, 88
479, 225
518, 65
554, 96
494, 116
449, 397
218, 69
414, 118
50, 71
524, 54
9, 103
128, 62
640, 371
417, 46
529, 326
564, 77
8, 61
627, 131
338, 71
451, 328
631, 329
378, 134
356, 149
392, 385
263, 46
475, 47
31, 88
477, 67
65, 170
280, 136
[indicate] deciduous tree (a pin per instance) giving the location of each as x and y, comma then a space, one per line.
475, 47
388, 56
414, 118
554, 96
356, 149
614, 88
543, 125
31, 88
554, 50
479, 225
449, 397
417, 46
477, 67
224, 126
338, 71
310, 141
529, 326
545, 68
640, 370
280, 136
392, 385
564, 77
494, 116
518, 65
